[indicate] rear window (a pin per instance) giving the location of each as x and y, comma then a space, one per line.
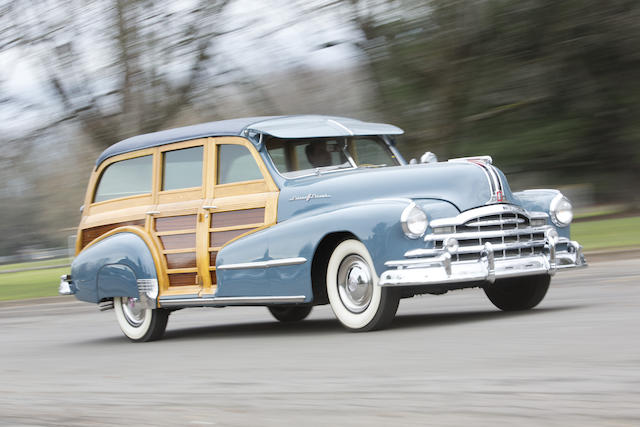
130, 177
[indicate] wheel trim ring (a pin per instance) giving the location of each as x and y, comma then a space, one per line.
355, 283
133, 311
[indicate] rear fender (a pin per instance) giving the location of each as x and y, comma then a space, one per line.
118, 265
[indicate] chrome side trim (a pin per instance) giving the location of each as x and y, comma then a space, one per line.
264, 264
218, 301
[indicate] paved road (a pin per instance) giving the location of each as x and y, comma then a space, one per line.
447, 360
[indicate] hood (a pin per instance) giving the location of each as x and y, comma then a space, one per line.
466, 185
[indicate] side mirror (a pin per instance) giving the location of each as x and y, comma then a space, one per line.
428, 157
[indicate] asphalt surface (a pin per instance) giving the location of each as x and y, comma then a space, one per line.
447, 360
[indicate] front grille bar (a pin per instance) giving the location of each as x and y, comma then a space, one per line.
505, 227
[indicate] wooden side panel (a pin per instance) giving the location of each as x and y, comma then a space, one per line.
182, 279
219, 238
181, 260
241, 217
173, 223
89, 234
179, 241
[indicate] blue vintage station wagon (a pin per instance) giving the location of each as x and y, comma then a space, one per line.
295, 211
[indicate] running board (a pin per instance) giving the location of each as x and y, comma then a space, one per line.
222, 301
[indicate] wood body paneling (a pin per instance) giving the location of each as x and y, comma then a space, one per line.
182, 279
89, 234
179, 241
173, 223
219, 238
240, 217
181, 260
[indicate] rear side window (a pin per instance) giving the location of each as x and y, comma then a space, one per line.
125, 178
182, 168
236, 164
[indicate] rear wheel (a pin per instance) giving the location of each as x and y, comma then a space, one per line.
289, 313
352, 287
519, 293
138, 322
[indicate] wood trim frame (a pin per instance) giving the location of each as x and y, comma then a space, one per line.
237, 196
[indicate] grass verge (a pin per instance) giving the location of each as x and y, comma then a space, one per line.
607, 233
31, 284
593, 235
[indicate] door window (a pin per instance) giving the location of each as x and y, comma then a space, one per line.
182, 168
236, 164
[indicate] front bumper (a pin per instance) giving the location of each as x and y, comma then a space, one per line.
440, 269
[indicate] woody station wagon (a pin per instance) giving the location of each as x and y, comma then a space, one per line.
296, 211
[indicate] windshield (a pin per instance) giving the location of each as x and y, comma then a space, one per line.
299, 157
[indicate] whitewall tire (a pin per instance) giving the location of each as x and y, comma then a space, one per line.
352, 287
137, 322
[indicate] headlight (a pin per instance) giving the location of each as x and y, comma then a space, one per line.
561, 211
414, 221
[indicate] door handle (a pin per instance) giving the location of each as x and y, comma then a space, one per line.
152, 212
210, 207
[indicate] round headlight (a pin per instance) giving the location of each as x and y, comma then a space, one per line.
561, 211
414, 221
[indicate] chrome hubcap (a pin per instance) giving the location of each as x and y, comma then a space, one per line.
133, 311
355, 284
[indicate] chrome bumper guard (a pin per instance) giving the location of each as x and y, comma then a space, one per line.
66, 286
440, 269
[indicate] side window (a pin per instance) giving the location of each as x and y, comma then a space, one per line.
236, 164
125, 178
182, 168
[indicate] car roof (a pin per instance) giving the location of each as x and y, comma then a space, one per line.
299, 126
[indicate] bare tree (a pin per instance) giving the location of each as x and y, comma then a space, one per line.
116, 67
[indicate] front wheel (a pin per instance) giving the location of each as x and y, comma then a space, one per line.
518, 293
138, 322
352, 287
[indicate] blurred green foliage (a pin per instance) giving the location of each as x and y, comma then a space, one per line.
540, 85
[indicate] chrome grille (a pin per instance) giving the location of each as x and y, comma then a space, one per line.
509, 231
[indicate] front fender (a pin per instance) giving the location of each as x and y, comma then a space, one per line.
540, 201
112, 267
376, 224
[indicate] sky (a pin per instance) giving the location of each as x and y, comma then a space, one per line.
272, 36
